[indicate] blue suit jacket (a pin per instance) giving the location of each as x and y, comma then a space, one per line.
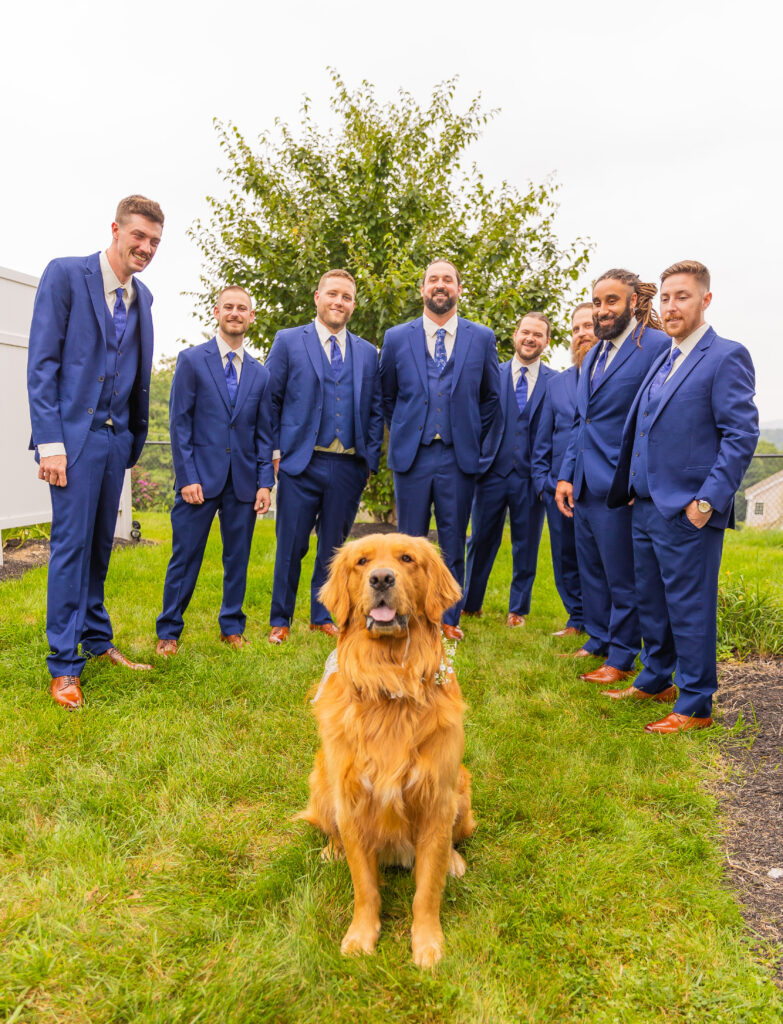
207, 437
594, 445
702, 434
66, 361
553, 433
296, 369
494, 438
475, 391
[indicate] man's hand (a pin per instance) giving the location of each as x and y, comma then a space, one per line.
263, 500
193, 494
564, 498
52, 469
698, 519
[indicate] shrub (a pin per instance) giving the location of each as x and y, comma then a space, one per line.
750, 619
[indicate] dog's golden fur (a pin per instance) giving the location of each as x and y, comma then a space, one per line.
388, 785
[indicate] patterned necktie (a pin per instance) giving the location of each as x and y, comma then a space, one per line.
600, 366
232, 383
120, 317
337, 357
440, 348
521, 389
660, 378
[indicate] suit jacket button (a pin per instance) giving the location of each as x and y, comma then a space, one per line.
100, 380
91, 411
587, 420
228, 451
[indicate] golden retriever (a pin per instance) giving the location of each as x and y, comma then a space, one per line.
388, 786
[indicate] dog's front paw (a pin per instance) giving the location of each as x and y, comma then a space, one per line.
360, 938
332, 851
457, 865
427, 947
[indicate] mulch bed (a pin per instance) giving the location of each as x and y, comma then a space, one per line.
18, 558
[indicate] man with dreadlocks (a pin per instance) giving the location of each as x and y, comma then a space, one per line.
630, 340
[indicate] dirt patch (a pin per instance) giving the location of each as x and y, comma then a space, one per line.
18, 558
753, 797
365, 529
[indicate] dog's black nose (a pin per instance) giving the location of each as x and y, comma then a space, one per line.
382, 579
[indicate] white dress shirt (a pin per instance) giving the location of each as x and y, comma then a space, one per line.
532, 373
686, 346
450, 327
324, 336
614, 346
239, 354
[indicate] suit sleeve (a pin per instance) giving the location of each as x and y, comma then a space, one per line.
182, 403
277, 364
541, 463
375, 427
489, 396
737, 423
388, 376
44, 358
265, 473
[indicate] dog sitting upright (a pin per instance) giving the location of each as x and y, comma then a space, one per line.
388, 786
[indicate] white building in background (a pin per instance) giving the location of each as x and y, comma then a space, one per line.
24, 499
765, 503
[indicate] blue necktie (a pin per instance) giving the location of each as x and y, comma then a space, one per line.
440, 348
521, 389
232, 382
337, 357
600, 366
120, 317
660, 378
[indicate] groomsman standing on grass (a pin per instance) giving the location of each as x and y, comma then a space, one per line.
505, 482
687, 443
88, 379
221, 446
439, 375
551, 441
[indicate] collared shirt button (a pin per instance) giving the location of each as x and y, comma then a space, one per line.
100, 380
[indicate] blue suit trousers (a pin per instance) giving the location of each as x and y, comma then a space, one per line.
677, 569
190, 525
84, 517
562, 541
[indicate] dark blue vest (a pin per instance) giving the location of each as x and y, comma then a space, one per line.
337, 411
122, 365
638, 482
514, 450
438, 421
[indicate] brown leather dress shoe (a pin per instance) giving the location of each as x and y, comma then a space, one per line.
67, 692
452, 632
166, 648
117, 658
678, 723
235, 640
473, 615
515, 620
606, 675
665, 696
581, 653
567, 631
324, 627
278, 634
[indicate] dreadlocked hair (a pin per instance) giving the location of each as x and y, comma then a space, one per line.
645, 292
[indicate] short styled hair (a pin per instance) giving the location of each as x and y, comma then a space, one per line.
141, 206
337, 272
693, 267
441, 260
538, 316
582, 305
233, 288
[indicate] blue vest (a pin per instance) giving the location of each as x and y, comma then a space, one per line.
438, 419
638, 482
514, 450
122, 365
337, 410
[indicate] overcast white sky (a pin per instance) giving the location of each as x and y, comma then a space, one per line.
662, 122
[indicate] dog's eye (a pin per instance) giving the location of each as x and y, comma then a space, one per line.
362, 561
406, 558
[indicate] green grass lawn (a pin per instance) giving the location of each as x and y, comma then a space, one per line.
150, 870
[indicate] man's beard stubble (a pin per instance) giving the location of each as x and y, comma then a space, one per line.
440, 303
613, 330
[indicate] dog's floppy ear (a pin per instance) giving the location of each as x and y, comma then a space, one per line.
334, 593
442, 589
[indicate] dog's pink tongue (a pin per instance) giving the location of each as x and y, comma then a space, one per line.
382, 614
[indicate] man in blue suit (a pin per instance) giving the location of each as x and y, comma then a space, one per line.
88, 376
221, 446
441, 391
327, 425
611, 375
552, 435
505, 481
688, 440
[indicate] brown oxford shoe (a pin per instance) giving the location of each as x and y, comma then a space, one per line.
117, 658
605, 675
324, 627
67, 692
166, 648
581, 653
452, 632
665, 696
515, 620
235, 640
473, 615
678, 723
568, 631
278, 634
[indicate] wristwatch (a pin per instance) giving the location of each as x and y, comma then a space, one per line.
703, 505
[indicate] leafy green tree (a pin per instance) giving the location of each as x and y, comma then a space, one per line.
381, 193
152, 479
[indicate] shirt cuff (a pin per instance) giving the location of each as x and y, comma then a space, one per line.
46, 451
276, 453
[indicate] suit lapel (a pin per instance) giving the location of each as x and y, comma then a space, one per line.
538, 391
461, 346
621, 357
583, 386
693, 359
417, 340
215, 364
352, 346
249, 366
94, 279
314, 349
506, 387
